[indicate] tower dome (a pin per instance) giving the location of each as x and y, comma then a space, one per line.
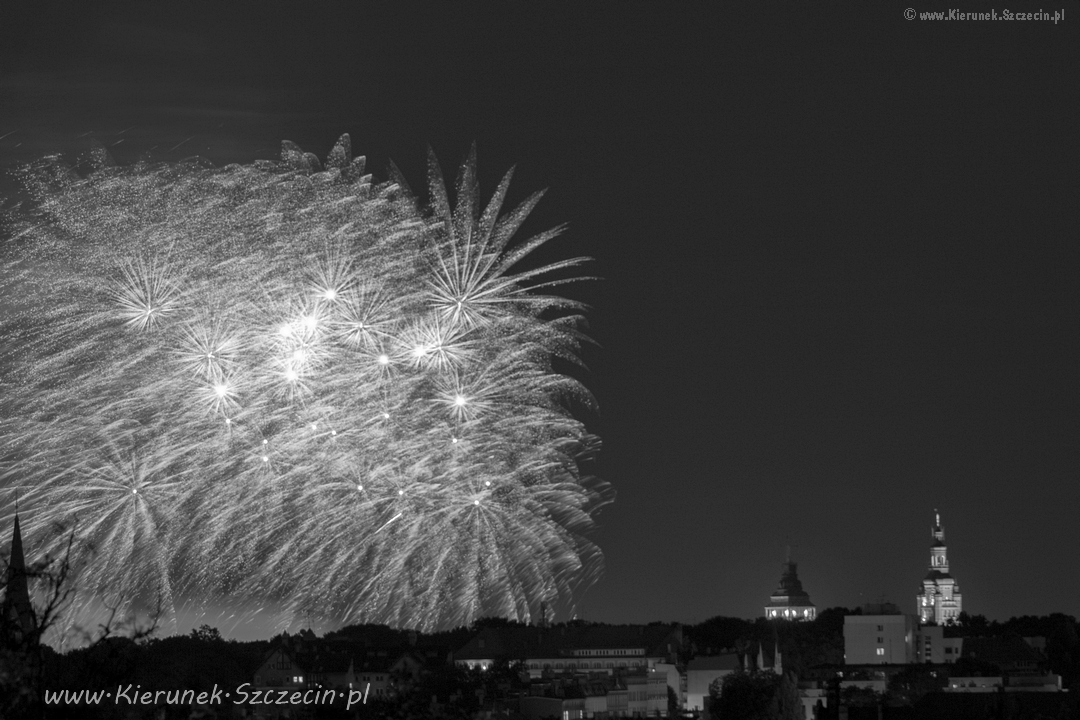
789, 601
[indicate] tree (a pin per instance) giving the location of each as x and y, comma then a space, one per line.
790, 702
495, 622
972, 625
22, 653
49, 583
912, 683
756, 695
205, 633
859, 697
717, 633
673, 708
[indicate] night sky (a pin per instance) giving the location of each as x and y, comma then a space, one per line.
836, 249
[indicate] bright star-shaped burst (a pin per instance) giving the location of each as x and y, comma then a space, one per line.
287, 382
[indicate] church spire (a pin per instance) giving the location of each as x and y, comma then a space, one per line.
17, 623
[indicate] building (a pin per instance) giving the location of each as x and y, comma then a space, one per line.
767, 661
302, 662
20, 631
1049, 683
647, 693
931, 645
882, 635
1012, 655
637, 694
1015, 664
281, 670
18, 625
939, 601
701, 672
536, 707
585, 652
789, 601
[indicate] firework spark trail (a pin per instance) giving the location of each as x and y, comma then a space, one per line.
282, 381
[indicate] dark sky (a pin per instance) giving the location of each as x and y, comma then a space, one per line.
837, 249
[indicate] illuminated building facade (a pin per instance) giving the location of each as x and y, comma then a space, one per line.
789, 601
939, 601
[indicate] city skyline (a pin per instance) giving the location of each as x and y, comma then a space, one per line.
836, 275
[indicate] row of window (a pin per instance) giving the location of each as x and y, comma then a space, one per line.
585, 665
790, 613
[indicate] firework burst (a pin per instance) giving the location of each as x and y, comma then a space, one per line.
285, 382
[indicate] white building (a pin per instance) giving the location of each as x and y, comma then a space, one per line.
939, 601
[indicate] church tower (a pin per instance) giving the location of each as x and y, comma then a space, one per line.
939, 600
789, 601
17, 623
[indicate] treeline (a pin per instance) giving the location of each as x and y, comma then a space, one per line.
802, 645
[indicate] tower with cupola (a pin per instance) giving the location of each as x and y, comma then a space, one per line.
789, 601
939, 600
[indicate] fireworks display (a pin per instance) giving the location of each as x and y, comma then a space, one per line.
282, 382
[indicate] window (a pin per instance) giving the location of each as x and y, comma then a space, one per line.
881, 651
880, 628
880, 640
